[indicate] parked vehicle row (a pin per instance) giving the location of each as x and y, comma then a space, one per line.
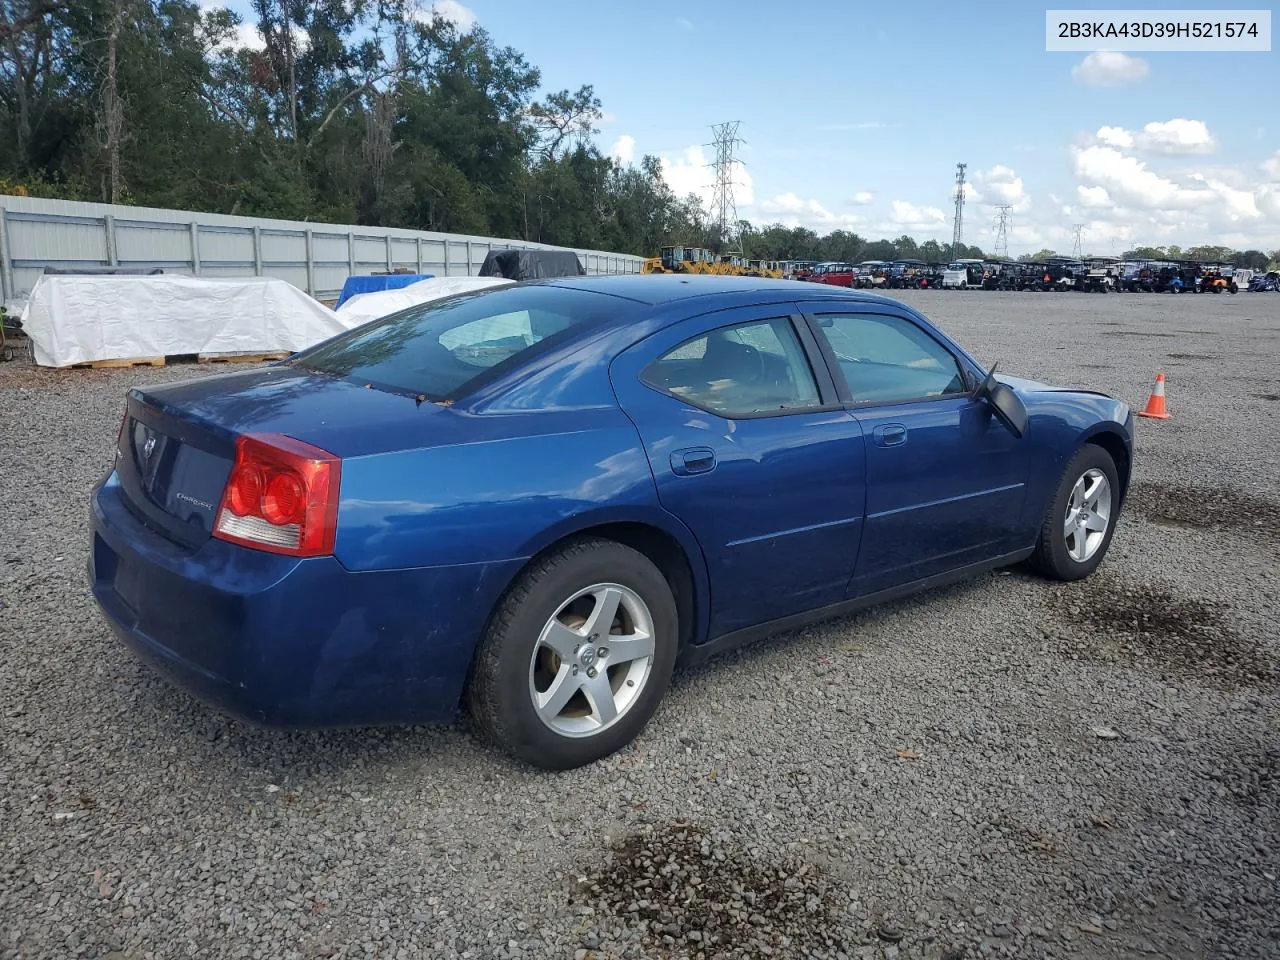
1056, 274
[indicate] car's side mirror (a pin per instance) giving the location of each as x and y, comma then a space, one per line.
1006, 404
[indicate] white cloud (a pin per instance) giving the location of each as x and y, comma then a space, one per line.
1177, 136
624, 148
1129, 180
1001, 185
1115, 137
792, 210
1271, 166
1236, 204
790, 203
906, 216
1102, 236
1269, 205
1109, 68
248, 35
689, 173
1128, 200
460, 15
862, 198
1094, 196
1170, 137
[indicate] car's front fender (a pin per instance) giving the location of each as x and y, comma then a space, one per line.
1060, 423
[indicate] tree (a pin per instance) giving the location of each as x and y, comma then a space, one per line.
905, 248
1207, 254
564, 117
34, 38
931, 252
1038, 257
1251, 260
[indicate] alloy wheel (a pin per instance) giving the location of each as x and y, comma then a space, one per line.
592, 660
1088, 515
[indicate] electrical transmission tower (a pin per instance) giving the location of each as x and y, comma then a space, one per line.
1004, 219
724, 211
1077, 248
957, 232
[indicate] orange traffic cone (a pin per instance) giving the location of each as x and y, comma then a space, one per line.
1155, 403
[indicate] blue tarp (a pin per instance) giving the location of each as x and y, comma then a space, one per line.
392, 281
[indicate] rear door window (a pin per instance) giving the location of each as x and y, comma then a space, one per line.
445, 349
747, 369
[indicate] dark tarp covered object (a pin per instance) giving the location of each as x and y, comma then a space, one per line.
531, 264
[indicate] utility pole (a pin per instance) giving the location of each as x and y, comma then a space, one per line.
724, 210
957, 232
1004, 220
1077, 248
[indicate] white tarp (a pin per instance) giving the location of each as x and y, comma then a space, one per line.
364, 307
78, 319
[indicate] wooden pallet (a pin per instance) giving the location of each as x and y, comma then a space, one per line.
240, 357
113, 364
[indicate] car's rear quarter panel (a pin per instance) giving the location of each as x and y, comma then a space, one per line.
492, 496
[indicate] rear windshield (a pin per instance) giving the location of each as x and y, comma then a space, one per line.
444, 349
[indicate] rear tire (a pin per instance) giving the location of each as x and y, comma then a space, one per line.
531, 651
1088, 495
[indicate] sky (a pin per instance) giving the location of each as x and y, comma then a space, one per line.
854, 116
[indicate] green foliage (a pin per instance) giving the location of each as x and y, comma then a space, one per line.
1038, 257
1252, 259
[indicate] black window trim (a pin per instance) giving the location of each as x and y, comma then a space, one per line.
813, 313
829, 400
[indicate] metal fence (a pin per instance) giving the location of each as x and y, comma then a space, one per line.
317, 257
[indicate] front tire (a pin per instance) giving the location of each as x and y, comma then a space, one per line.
577, 656
1081, 518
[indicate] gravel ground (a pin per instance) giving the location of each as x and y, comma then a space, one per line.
1002, 768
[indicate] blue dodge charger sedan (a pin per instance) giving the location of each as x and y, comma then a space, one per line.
533, 501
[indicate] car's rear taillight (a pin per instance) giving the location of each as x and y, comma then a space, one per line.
281, 496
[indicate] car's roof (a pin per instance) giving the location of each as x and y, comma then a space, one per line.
657, 289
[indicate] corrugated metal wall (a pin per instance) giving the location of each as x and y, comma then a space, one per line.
317, 257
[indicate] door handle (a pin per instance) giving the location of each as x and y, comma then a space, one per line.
890, 435
693, 460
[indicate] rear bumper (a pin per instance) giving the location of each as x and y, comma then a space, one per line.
287, 642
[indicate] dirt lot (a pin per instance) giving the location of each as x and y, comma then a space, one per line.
1003, 768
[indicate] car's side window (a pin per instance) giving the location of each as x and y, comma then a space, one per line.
741, 370
887, 359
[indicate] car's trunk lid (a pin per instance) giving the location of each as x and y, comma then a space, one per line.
172, 470
177, 442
